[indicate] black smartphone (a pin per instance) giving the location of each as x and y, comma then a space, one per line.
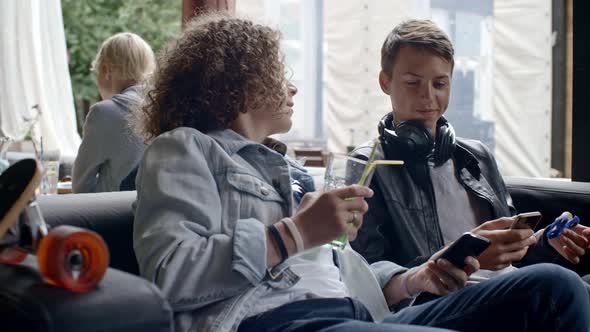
526, 220
467, 245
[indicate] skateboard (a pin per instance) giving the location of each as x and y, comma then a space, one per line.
70, 257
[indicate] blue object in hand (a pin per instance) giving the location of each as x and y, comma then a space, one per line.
554, 230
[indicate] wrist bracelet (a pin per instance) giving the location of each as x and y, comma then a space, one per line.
295, 233
274, 232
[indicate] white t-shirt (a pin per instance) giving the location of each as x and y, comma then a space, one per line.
320, 278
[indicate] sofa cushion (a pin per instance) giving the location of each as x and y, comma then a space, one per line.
108, 214
111, 214
121, 302
550, 196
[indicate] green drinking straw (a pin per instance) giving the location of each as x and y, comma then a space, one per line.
371, 164
367, 166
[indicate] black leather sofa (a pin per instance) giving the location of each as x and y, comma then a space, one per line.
122, 302
551, 197
125, 302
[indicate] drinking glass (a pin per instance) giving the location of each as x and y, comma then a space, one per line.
50, 177
343, 170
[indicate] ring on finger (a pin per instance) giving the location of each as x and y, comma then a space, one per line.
354, 219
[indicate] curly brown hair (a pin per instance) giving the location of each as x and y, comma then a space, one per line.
218, 67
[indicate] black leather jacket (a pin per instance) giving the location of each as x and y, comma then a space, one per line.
402, 223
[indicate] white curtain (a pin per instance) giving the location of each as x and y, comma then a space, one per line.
513, 76
512, 72
522, 86
34, 71
354, 32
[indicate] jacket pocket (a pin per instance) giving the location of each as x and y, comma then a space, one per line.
250, 184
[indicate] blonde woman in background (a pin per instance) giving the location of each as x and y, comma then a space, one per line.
108, 156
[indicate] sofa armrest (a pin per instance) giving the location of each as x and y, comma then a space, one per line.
121, 302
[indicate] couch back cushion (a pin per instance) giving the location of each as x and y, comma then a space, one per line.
551, 197
108, 214
111, 214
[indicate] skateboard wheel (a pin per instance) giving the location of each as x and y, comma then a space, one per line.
73, 258
12, 255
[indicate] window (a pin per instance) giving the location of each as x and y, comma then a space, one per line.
470, 27
300, 22
502, 84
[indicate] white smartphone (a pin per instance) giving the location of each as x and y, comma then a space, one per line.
527, 220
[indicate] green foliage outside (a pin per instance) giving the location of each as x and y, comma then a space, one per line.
89, 22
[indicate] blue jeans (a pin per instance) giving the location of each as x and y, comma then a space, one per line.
541, 297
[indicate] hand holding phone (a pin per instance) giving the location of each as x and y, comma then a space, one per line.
468, 244
527, 220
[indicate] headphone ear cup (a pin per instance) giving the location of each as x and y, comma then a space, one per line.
409, 141
386, 122
416, 141
387, 136
389, 143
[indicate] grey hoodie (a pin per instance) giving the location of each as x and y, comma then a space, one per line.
110, 151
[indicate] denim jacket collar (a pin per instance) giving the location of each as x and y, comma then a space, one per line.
232, 142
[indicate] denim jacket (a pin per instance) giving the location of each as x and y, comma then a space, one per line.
203, 202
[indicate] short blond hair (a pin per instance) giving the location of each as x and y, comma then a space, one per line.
127, 55
423, 34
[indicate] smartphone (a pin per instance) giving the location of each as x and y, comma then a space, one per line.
527, 220
467, 245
